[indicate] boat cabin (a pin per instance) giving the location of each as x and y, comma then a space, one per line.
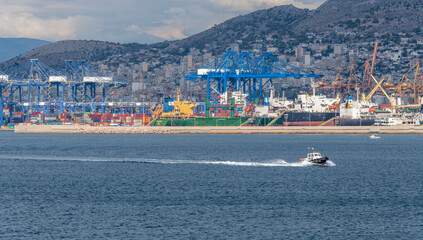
314, 155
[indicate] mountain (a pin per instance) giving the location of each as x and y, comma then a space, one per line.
283, 28
12, 47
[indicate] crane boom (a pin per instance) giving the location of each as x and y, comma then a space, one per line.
373, 61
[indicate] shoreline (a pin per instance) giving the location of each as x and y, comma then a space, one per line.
85, 129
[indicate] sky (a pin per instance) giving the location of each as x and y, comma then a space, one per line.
142, 21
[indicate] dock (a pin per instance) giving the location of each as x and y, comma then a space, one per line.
86, 129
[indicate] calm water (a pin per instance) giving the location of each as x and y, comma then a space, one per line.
209, 187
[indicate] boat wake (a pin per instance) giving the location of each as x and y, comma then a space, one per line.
272, 163
276, 163
329, 163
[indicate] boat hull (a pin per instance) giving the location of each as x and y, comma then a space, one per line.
319, 161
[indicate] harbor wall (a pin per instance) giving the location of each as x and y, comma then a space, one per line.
86, 129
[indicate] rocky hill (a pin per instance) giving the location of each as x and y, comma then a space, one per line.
56, 53
367, 17
11, 47
260, 24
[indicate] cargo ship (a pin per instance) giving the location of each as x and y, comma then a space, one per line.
305, 111
215, 121
356, 113
287, 119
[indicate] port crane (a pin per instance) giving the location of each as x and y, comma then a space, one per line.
410, 84
378, 87
36, 87
355, 76
361, 79
245, 73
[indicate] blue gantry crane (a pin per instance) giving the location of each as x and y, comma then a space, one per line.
46, 88
89, 82
244, 72
36, 87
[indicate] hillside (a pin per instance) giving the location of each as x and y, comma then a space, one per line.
260, 24
12, 47
56, 53
366, 17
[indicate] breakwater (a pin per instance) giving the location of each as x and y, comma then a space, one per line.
85, 129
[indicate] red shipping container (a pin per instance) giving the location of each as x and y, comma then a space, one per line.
382, 106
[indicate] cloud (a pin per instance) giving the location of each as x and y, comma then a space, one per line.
135, 29
29, 18
142, 21
167, 32
28, 25
176, 11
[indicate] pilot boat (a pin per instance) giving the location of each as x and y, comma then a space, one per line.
315, 158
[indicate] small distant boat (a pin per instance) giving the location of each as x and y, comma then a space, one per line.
315, 158
374, 136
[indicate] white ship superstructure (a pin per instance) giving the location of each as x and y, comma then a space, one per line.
398, 120
356, 109
273, 106
314, 103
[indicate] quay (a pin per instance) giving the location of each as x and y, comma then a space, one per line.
86, 129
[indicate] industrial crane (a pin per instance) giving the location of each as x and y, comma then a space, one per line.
245, 73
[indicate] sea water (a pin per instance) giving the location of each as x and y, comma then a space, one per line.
210, 187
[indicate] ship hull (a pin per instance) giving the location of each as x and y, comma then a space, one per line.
288, 119
314, 123
200, 122
308, 119
236, 121
355, 122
